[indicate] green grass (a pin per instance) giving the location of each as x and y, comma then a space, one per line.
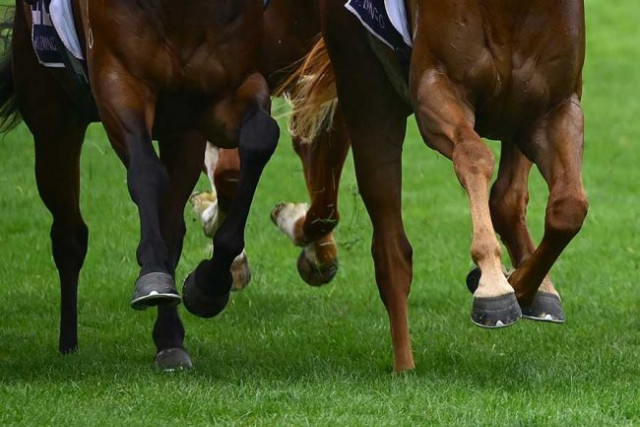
284, 353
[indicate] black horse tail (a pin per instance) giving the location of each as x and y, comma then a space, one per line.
9, 114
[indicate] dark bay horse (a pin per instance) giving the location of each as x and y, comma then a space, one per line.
500, 69
180, 72
292, 28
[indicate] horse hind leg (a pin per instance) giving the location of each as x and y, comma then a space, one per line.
509, 199
556, 147
377, 125
58, 135
57, 176
127, 110
312, 226
226, 176
181, 155
223, 170
205, 203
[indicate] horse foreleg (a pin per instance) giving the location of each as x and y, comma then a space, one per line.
206, 290
182, 156
127, 109
312, 226
509, 199
556, 146
58, 134
447, 125
376, 117
58, 178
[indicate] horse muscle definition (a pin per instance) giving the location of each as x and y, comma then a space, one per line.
292, 30
504, 70
179, 72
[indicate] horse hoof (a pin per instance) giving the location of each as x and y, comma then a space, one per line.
240, 272
67, 349
315, 274
155, 289
496, 312
275, 212
546, 307
173, 359
198, 302
473, 279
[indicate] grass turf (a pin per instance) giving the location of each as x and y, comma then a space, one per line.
283, 353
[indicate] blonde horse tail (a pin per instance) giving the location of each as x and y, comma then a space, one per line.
311, 92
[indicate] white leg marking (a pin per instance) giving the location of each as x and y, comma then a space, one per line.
240, 272
205, 205
289, 214
493, 283
211, 156
310, 253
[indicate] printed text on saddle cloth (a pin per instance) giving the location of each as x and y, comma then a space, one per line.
385, 19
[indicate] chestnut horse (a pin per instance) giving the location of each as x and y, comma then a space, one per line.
292, 28
181, 72
505, 70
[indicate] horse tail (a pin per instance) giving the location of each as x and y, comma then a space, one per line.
9, 114
311, 91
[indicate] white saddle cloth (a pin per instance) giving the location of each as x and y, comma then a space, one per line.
398, 16
62, 19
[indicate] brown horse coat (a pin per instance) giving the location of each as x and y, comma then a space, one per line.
177, 71
498, 69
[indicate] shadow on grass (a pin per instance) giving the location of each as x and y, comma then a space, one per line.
318, 340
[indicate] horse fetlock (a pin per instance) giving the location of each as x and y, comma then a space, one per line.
240, 272
319, 224
206, 290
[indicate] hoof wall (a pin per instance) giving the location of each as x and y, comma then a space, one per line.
496, 312
473, 279
314, 274
173, 359
154, 289
545, 307
200, 303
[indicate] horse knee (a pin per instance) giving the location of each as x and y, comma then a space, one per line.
566, 213
472, 158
